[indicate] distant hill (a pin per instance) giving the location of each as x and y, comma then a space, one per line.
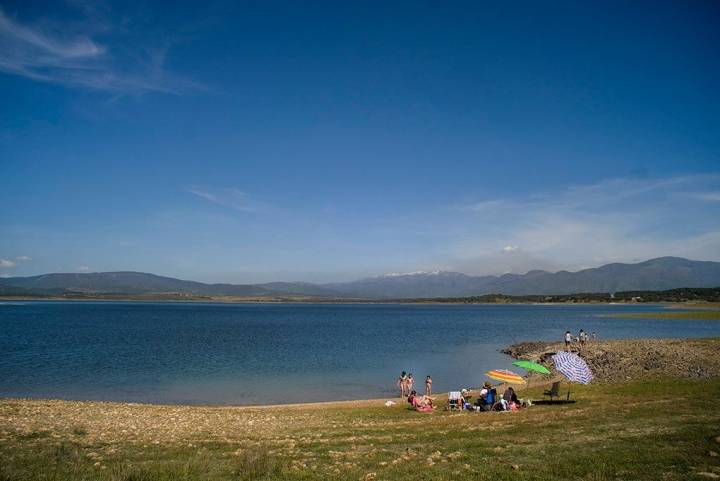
139, 283
658, 274
653, 275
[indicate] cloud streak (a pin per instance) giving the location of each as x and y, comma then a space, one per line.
6, 263
708, 196
77, 60
230, 197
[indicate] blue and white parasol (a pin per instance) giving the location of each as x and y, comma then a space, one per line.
572, 367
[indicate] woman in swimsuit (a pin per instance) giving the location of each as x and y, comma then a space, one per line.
402, 383
420, 403
428, 386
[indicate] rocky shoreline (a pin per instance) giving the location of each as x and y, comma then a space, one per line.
633, 359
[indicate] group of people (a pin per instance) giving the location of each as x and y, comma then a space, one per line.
406, 382
580, 340
487, 400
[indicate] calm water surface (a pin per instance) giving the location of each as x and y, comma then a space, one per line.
259, 353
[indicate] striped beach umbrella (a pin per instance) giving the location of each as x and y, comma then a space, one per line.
572, 367
505, 376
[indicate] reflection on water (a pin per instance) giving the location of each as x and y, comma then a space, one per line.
259, 353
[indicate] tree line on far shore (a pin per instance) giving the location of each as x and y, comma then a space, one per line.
684, 294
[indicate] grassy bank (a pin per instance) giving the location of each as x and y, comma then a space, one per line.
660, 429
697, 314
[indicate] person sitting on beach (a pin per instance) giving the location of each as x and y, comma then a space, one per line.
420, 403
486, 398
510, 397
484, 390
465, 398
428, 386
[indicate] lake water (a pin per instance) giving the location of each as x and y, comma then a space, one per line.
206, 353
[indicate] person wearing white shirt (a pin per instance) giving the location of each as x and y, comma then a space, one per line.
568, 340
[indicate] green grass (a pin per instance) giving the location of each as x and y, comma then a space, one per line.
700, 315
650, 430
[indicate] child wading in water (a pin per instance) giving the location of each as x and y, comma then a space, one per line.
428, 386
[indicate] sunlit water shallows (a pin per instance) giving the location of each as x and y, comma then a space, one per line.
260, 353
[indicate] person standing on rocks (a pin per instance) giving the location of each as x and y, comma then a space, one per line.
582, 337
568, 340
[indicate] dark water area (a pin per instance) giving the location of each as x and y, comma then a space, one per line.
206, 353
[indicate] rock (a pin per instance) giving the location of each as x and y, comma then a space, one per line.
712, 454
516, 467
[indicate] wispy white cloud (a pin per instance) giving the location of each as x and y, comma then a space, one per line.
10, 263
708, 196
616, 220
6, 263
82, 269
230, 197
74, 58
482, 206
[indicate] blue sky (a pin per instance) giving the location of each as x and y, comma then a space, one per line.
324, 141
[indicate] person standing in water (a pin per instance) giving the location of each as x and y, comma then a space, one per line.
410, 382
428, 386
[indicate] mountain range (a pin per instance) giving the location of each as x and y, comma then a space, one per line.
655, 274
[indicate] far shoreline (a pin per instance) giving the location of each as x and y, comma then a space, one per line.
269, 301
